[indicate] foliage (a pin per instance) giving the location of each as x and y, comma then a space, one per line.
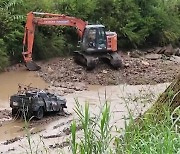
151, 136
96, 131
3, 56
137, 22
145, 135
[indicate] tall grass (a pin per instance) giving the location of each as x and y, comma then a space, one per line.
150, 136
96, 131
145, 136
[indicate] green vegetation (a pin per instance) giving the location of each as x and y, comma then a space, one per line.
96, 131
151, 136
3, 55
145, 136
138, 23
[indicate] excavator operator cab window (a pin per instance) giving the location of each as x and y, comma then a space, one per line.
102, 43
91, 38
94, 38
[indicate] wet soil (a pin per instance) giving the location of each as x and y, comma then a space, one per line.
136, 71
5, 115
12, 128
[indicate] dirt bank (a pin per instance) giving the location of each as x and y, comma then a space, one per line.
61, 71
140, 68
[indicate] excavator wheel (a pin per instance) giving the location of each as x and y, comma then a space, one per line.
88, 61
32, 66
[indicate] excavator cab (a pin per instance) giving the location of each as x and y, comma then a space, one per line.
94, 39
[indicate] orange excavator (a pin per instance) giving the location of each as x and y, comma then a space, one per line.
95, 44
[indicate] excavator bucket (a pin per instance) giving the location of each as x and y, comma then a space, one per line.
32, 66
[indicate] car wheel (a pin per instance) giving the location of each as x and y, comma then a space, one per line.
15, 113
39, 113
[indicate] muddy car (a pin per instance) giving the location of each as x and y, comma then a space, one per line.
36, 103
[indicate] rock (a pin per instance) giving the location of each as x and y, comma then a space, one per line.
68, 91
158, 50
145, 63
153, 56
126, 65
50, 70
169, 50
56, 84
175, 59
104, 71
177, 52
150, 50
135, 54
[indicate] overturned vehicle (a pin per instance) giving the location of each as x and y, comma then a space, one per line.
36, 103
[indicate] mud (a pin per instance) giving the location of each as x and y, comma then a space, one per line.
62, 145
11, 128
11, 141
4, 116
63, 72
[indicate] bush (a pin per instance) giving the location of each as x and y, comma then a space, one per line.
48, 46
137, 22
3, 55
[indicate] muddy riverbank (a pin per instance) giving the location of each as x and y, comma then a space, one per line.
136, 71
55, 135
62, 76
140, 68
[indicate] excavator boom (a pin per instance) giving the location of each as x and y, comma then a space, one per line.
45, 19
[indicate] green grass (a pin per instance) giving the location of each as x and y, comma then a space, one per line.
150, 136
96, 131
145, 136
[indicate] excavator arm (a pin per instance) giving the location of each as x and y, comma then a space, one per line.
45, 19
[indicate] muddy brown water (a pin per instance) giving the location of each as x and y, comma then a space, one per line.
95, 95
119, 97
8, 86
15, 128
